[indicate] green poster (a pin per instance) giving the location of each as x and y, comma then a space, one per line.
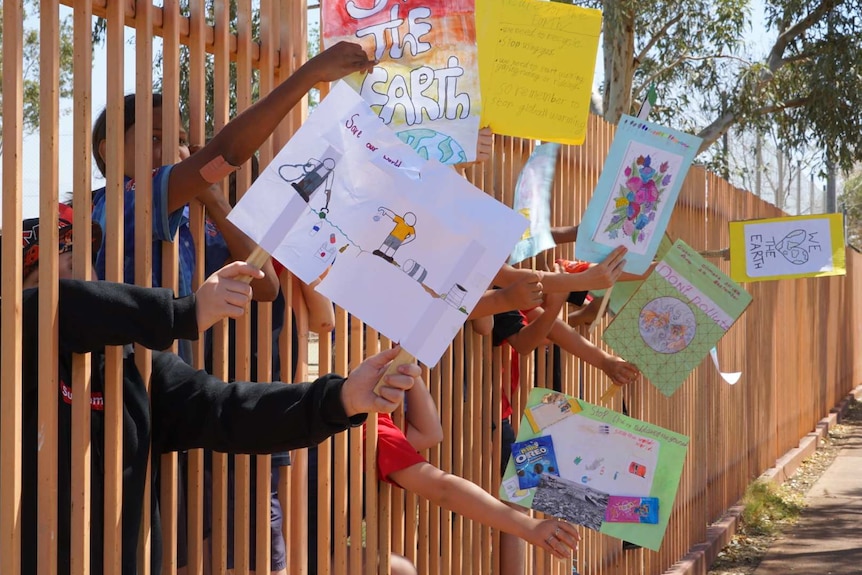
587, 465
675, 317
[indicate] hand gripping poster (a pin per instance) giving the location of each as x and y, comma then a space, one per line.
636, 193
792, 247
676, 317
595, 467
426, 85
410, 245
624, 290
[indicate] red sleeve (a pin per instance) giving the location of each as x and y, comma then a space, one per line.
574, 266
276, 265
394, 452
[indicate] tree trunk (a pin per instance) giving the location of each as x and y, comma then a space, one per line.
618, 29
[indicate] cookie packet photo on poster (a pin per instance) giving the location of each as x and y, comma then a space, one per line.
533, 458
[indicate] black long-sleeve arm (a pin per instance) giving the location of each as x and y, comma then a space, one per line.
194, 409
95, 314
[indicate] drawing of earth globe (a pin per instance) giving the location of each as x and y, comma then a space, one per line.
667, 325
433, 145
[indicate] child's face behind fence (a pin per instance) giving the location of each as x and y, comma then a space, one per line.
129, 152
64, 271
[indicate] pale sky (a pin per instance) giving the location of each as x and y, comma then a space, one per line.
66, 145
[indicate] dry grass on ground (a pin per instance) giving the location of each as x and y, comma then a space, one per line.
770, 510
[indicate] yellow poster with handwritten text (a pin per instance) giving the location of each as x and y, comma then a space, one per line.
536, 66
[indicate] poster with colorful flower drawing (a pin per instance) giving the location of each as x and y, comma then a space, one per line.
636, 192
630, 218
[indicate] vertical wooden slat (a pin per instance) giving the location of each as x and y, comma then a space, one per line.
263, 482
492, 400
355, 482
472, 444
80, 537
49, 111
197, 137
113, 239
295, 485
453, 436
446, 407
242, 350
170, 129
221, 87
143, 216
10, 303
376, 508
340, 469
324, 479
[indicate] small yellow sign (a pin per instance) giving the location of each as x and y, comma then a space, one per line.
791, 247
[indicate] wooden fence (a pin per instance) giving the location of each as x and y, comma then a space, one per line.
795, 344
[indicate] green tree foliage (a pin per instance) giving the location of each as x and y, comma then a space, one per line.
31, 78
209, 71
808, 85
851, 199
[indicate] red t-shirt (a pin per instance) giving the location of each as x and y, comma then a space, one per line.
515, 381
394, 452
507, 324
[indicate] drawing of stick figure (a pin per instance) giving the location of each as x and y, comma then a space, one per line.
402, 233
306, 178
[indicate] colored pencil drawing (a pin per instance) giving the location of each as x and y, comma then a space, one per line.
404, 232
636, 192
667, 325
306, 177
638, 199
682, 309
630, 215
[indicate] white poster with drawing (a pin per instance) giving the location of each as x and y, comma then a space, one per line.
411, 244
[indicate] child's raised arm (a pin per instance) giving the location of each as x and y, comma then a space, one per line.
423, 422
599, 276
569, 339
468, 499
321, 315
536, 331
242, 136
523, 293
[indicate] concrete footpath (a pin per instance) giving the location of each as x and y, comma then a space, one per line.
828, 537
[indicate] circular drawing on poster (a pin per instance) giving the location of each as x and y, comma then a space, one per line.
667, 325
433, 145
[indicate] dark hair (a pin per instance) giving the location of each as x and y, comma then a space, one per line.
100, 128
